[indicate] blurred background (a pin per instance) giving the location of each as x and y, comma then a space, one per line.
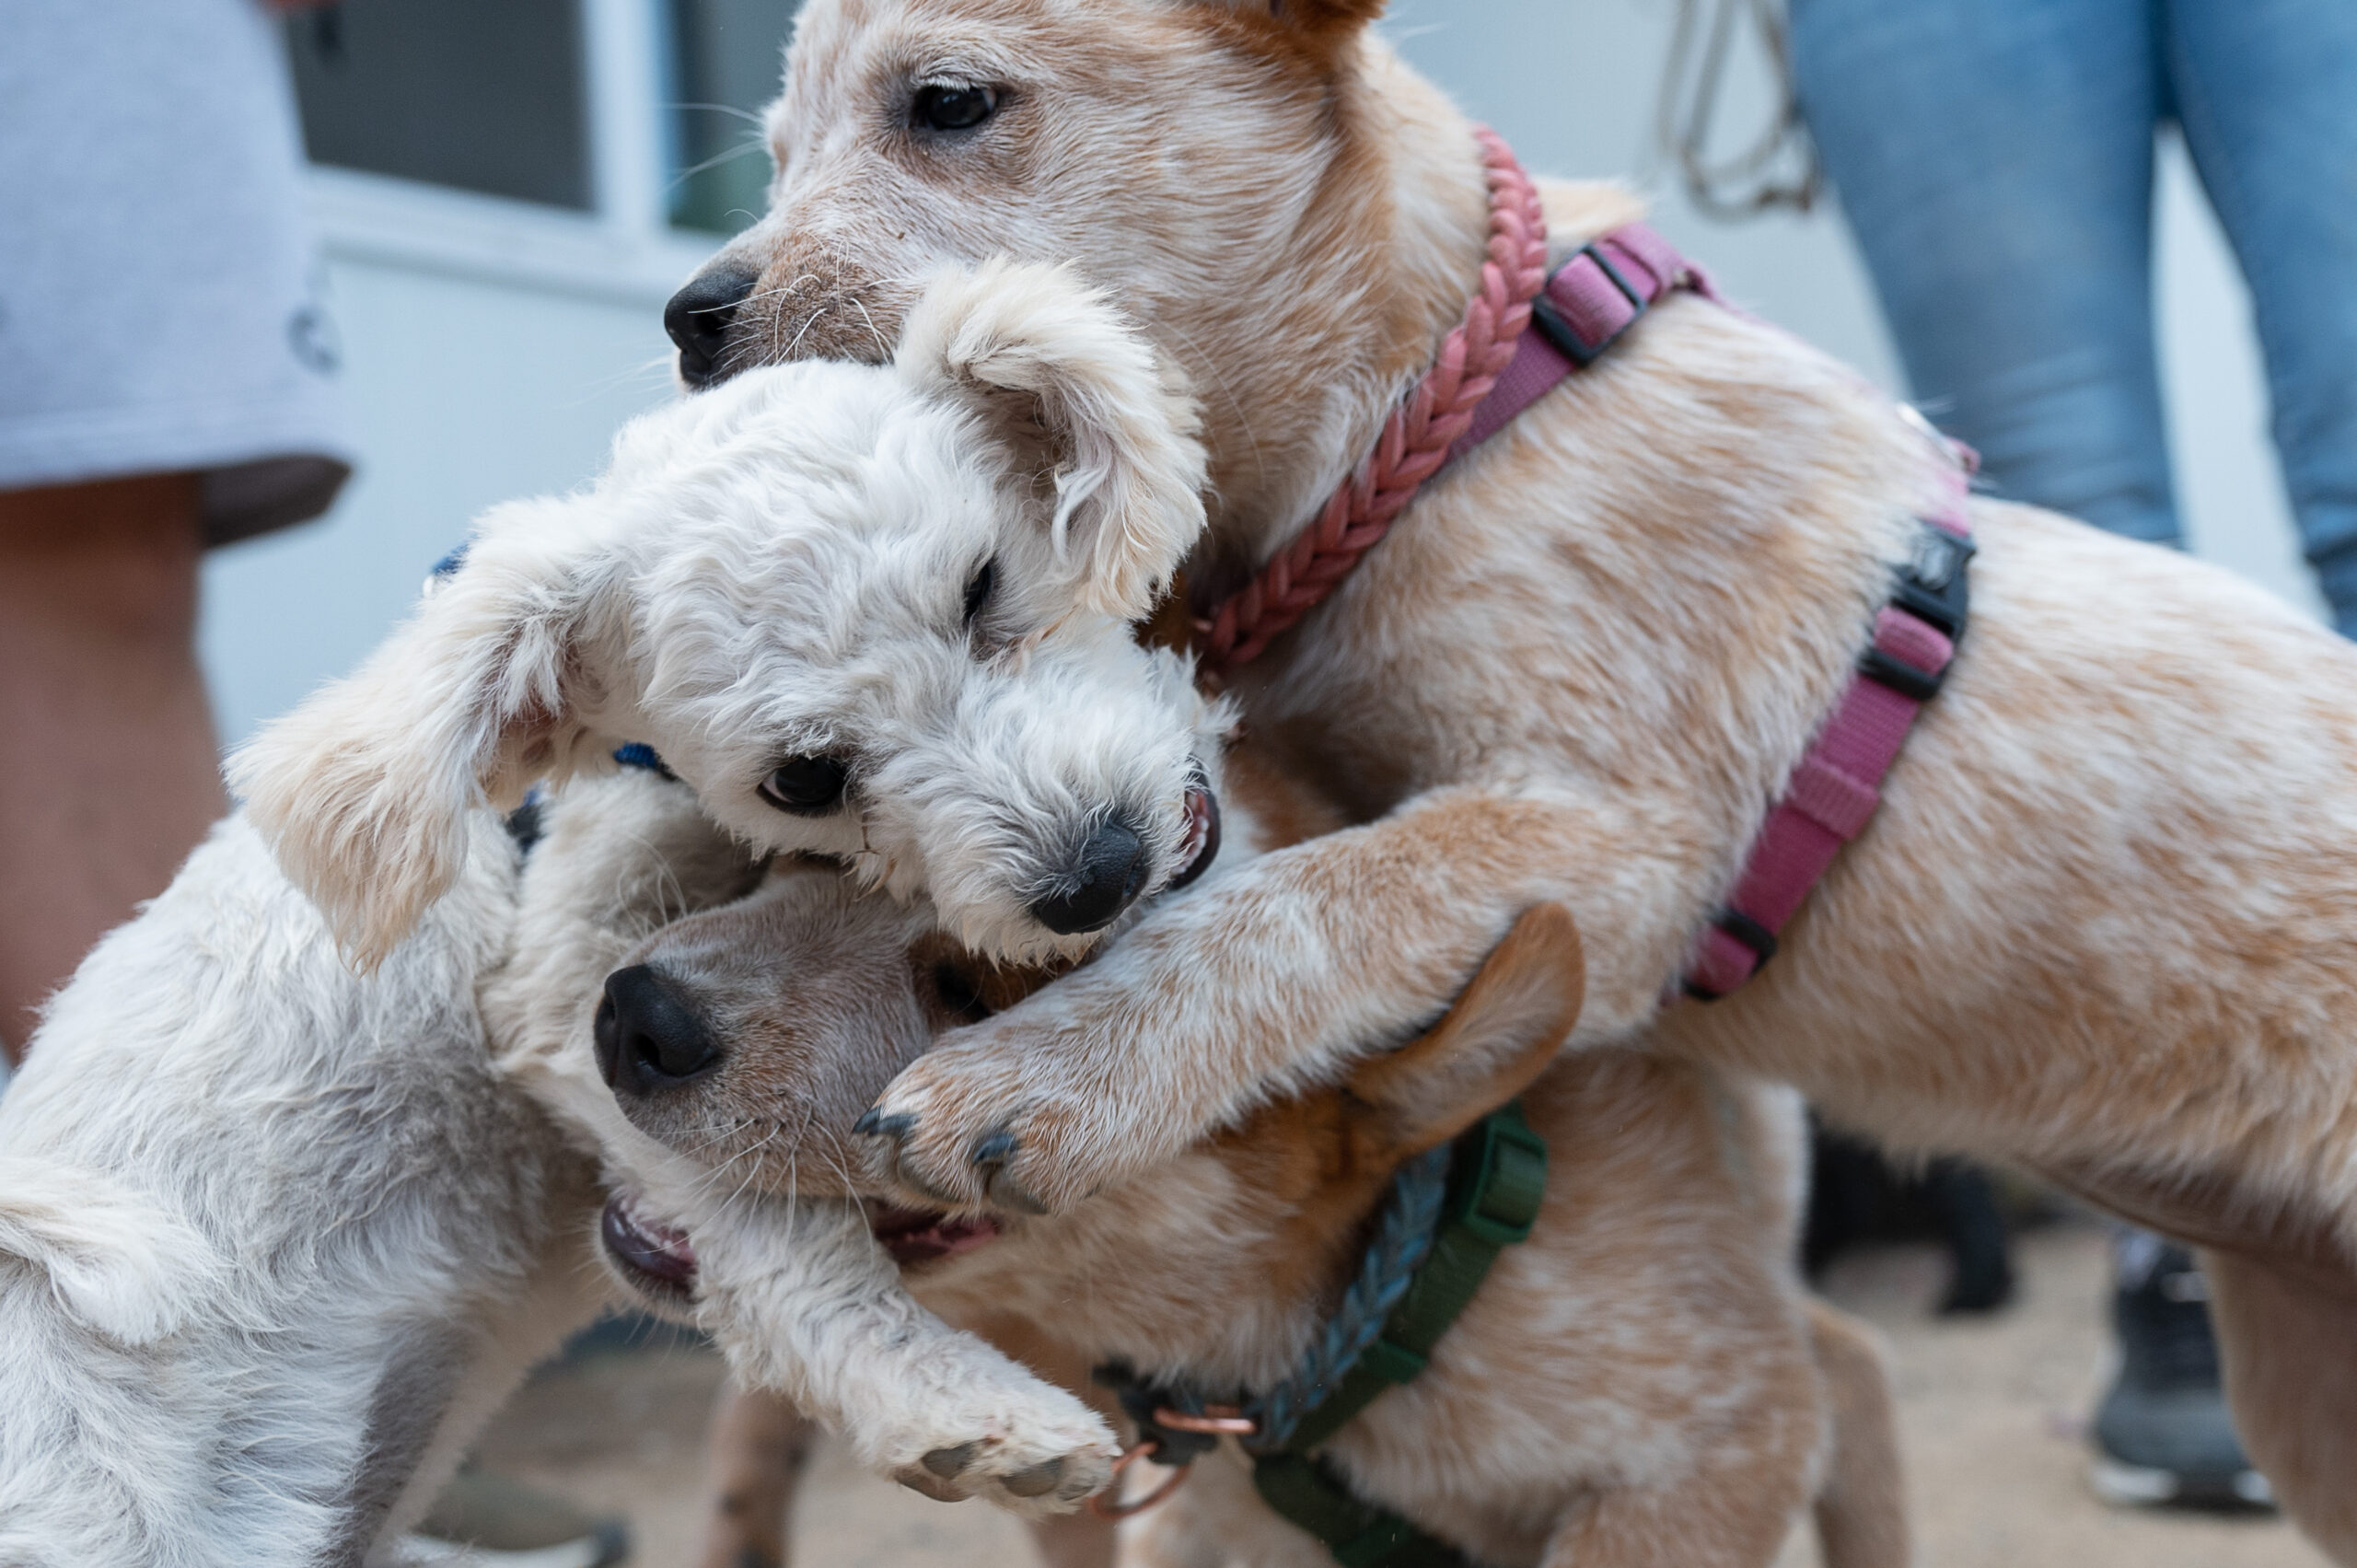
506, 192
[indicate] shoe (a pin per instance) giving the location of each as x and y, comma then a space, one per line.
483, 1521
2162, 1434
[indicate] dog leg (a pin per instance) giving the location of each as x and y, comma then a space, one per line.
2286, 1333
1861, 1505
808, 1305
1257, 984
754, 1458
1697, 1526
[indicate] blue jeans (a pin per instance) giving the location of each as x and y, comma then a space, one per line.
1995, 160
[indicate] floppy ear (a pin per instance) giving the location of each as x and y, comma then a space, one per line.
364, 788
1322, 23
1075, 393
1502, 1032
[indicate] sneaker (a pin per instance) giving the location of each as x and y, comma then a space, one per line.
2162, 1434
483, 1521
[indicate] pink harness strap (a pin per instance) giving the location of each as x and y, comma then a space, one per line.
1837, 783
1586, 305
1588, 302
1579, 312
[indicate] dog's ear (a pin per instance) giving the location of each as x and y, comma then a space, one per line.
1324, 24
364, 788
1080, 398
1501, 1034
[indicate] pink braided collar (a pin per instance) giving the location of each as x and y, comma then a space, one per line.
1490, 366
1415, 438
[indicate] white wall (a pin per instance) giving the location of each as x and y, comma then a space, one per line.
497, 363
461, 392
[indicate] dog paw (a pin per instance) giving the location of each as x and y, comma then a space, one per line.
959, 1130
1046, 1464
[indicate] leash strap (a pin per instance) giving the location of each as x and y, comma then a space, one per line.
1497, 1180
1834, 791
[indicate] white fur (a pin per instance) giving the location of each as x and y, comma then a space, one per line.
276, 1238
270, 1232
779, 568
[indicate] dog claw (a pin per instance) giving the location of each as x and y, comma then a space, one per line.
875, 1123
946, 1462
1036, 1481
931, 1486
996, 1148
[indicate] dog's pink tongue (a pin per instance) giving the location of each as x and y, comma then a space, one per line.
659, 1256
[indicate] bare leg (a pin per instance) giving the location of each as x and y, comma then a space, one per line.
113, 772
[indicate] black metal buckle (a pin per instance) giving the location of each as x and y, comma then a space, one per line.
1556, 331
1933, 587
1751, 934
1931, 584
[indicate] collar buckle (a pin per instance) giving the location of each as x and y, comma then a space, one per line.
1549, 317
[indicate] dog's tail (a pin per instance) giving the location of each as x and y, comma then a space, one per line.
120, 1263
1862, 1506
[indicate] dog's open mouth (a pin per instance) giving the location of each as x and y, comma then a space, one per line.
1201, 846
654, 1257
923, 1236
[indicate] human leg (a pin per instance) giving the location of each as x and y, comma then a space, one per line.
2264, 89
112, 773
1995, 161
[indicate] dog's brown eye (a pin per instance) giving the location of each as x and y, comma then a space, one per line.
960, 997
953, 108
977, 588
805, 785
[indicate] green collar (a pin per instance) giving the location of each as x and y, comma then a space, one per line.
1497, 1176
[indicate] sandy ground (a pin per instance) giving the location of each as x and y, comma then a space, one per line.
1991, 1412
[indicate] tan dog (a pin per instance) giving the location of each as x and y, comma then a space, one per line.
1641, 1382
2106, 923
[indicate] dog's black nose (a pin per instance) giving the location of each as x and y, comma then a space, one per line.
649, 1037
1105, 873
699, 316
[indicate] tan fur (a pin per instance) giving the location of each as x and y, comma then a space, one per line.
2106, 923
1641, 1382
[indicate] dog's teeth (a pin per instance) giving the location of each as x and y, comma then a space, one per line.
996, 1148
1036, 1481
947, 1462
